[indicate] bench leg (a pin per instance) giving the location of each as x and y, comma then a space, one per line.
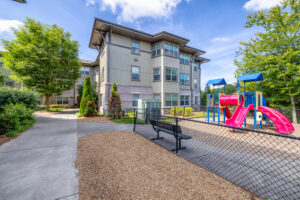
180, 147
157, 137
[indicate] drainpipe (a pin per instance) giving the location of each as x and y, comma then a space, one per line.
191, 79
200, 86
108, 62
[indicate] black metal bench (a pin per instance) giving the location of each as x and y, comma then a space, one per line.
172, 129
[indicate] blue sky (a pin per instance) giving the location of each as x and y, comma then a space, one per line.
215, 26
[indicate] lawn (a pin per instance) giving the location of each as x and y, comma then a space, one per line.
127, 120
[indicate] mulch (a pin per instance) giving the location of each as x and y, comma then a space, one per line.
124, 165
4, 139
97, 119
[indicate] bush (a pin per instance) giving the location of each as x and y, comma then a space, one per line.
87, 104
18, 96
179, 111
60, 106
14, 119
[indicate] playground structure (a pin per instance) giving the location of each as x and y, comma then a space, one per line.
245, 101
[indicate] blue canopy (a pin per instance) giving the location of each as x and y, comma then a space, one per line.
251, 77
220, 81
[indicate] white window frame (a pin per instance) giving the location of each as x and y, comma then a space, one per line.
186, 79
186, 100
139, 74
135, 50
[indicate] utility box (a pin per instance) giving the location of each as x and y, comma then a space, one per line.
149, 109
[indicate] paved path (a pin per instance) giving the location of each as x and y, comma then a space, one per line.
40, 163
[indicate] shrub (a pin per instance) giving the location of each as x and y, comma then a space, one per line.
114, 104
54, 106
15, 118
179, 111
87, 104
16, 96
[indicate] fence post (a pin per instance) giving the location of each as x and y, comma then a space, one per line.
134, 120
176, 135
183, 112
174, 111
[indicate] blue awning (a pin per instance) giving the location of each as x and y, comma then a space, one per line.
251, 77
220, 81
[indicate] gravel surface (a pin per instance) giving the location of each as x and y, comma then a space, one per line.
124, 165
99, 119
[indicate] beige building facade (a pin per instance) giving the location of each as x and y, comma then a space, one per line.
145, 66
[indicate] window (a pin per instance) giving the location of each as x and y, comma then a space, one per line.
195, 66
171, 49
85, 71
184, 58
184, 79
195, 83
156, 49
62, 100
156, 74
171, 74
171, 99
196, 100
135, 73
184, 100
135, 47
135, 97
156, 96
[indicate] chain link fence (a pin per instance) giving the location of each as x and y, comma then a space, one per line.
264, 163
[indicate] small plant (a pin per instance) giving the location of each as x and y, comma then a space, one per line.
181, 111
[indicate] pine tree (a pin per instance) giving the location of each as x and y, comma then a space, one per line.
87, 104
114, 104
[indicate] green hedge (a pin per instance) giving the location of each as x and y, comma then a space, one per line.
15, 119
179, 111
17, 96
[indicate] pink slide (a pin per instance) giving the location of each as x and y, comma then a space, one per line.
283, 125
239, 116
227, 112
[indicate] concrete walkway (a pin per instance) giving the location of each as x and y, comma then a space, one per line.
40, 163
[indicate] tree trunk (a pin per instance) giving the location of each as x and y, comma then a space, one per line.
294, 115
47, 102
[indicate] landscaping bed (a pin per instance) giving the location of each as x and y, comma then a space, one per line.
124, 165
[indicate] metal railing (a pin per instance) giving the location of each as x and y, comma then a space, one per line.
265, 163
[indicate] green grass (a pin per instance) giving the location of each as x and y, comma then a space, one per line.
127, 120
56, 109
26, 124
130, 114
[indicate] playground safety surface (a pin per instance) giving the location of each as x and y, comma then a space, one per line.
124, 165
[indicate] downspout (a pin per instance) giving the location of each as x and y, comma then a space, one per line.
200, 97
108, 61
191, 79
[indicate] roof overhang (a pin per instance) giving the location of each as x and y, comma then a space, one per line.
21, 1
101, 26
214, 82
201, 60
251, 77
88, 63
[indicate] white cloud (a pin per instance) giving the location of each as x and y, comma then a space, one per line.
6, 25
220, 39
260, 4
130, 10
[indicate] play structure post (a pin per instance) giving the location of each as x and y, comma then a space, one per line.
255, 109
207, 110
245, 123
219, 106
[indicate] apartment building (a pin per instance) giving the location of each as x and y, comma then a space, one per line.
160, 66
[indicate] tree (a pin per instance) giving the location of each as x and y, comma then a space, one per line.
275, 52
2, 79
87, 104
114, 104
43, 57
94, 88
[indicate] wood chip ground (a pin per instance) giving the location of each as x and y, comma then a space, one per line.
124, 165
